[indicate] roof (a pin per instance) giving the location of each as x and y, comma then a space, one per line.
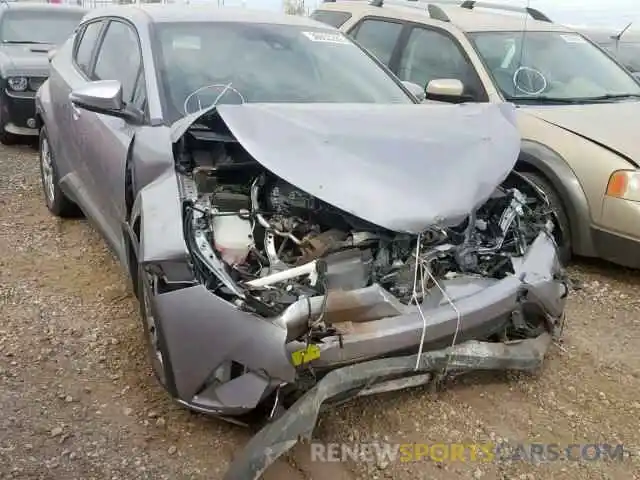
476, 20
159, 13
41, 7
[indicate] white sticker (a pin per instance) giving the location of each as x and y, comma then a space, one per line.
326, 37
573, 39
190, 42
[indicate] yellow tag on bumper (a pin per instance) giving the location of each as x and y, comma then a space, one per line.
312, 352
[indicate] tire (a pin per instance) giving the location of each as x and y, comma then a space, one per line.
563, 238
153, 339
7, 138
55, 199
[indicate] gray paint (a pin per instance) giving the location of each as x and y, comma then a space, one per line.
408, 161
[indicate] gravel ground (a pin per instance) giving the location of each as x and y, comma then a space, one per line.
78, 400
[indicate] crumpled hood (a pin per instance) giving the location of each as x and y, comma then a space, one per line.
615, 126
401, 167
25, 59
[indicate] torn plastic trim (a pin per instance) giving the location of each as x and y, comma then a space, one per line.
298, 422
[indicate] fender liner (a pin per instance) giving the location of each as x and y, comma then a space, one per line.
548, 162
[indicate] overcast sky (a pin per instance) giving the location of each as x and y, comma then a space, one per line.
610, 13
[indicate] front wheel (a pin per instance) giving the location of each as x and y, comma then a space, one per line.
150, 327
56, 201
7, 138
563, 236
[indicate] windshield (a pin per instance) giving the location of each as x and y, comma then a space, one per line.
553, 66
48, 27
628, 54
249, 62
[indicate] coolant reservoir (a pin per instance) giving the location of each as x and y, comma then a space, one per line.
232, 238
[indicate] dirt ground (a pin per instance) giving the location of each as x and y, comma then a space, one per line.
78, 401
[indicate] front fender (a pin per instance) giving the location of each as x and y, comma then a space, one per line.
157, 208
564, 180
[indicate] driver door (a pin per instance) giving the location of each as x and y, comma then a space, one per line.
104, 140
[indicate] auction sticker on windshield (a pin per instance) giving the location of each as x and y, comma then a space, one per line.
573, 39
326, 37
189, 42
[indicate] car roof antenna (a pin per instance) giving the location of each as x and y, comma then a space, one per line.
522, 41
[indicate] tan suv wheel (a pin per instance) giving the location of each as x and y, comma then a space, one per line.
563, 237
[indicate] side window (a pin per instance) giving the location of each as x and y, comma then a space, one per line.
331, 17
379, 37
86, 44
431, 55
139, 97
119, 58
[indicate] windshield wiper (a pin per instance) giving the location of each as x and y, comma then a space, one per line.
29, 42
611, 96
543, 99
571, 101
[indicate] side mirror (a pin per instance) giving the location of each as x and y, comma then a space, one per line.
444, 89
415, 89
105, 97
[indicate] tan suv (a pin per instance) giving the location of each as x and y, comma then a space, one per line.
578, 108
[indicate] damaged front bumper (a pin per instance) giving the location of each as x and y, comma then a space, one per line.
545, 286
202, 332
298, 422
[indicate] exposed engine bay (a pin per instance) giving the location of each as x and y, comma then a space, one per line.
265, 245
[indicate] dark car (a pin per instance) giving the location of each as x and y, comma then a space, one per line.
297, 229
28, 33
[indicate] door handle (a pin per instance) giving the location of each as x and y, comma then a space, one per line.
75, 111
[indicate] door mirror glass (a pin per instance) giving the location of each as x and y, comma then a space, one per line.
446, 89
415, 89
102, 96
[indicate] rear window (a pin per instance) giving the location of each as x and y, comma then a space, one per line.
333, 18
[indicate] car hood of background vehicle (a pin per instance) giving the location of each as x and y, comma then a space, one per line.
402, 167
25, 60
615, 126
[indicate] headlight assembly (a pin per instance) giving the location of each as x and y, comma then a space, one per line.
18, 84
624, 184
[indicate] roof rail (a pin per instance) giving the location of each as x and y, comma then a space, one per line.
535, 14
434, 11
438, 13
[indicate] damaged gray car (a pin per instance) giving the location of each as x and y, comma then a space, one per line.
297, 230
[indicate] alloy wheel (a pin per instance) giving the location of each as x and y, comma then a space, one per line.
47, 171
151, 330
